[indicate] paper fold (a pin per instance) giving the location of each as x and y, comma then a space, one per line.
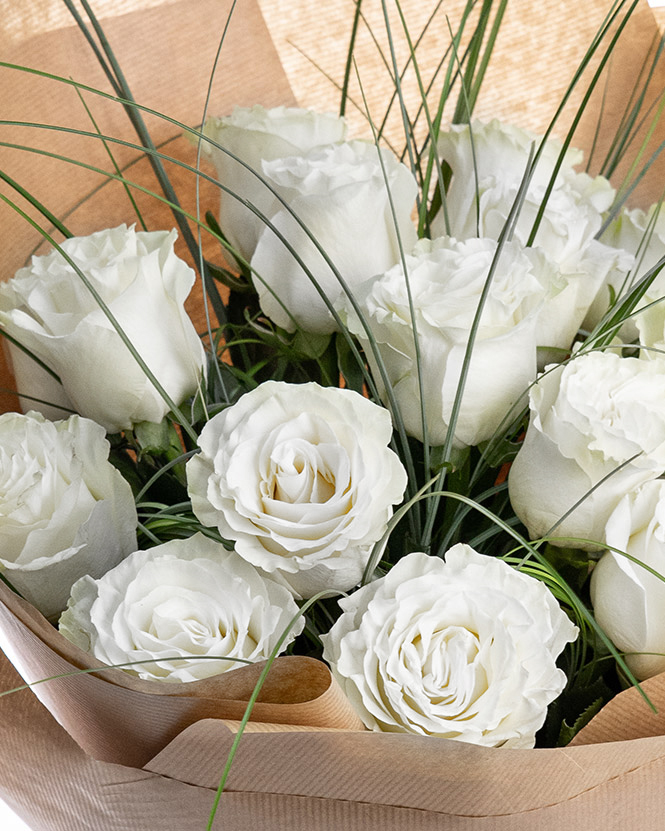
323, 781
117, 717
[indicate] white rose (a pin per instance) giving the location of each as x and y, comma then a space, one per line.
463, 649
340, 195
588, 419
48, 309
446, 279
566, 235
180, 604
489, 161
495, 150
641, 236
301, 478
628, 600
487, 175
253, 135
65, 511
566, 230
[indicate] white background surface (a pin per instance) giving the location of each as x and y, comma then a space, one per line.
9, 821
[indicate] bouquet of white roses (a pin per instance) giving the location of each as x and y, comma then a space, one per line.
419, 436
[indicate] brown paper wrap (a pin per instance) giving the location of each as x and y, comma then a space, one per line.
110, 752
322, 781
117, 717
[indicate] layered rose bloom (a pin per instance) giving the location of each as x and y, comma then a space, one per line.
463, 649
488, 163
596, 431
425, 318
301, 478
254, 135
48, 309
175, 607
65, 511
355, 201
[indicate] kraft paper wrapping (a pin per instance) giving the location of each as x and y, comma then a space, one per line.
322, 781
105, 751
119, 718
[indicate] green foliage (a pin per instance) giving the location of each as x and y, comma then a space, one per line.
572, 564
572, 711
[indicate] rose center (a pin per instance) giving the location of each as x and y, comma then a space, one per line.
174, 621
451, 652
298, 474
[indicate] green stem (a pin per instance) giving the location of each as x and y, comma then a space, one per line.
349, 59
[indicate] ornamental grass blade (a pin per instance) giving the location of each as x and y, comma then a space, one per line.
109, 153
634, 114
211, 292
109, 63
612, 17
608, 328
469, 82
252, 701
41, 208
504, 236
349, 58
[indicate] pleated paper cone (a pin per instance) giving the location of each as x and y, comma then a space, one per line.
106, 751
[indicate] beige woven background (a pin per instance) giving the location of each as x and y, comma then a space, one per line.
539, 47
540, 44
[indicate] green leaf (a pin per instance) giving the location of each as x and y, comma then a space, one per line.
571, 563
569, 731
500, 452
157, 439
573, 710
452, 460
348, 365
309, 345
228, 278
